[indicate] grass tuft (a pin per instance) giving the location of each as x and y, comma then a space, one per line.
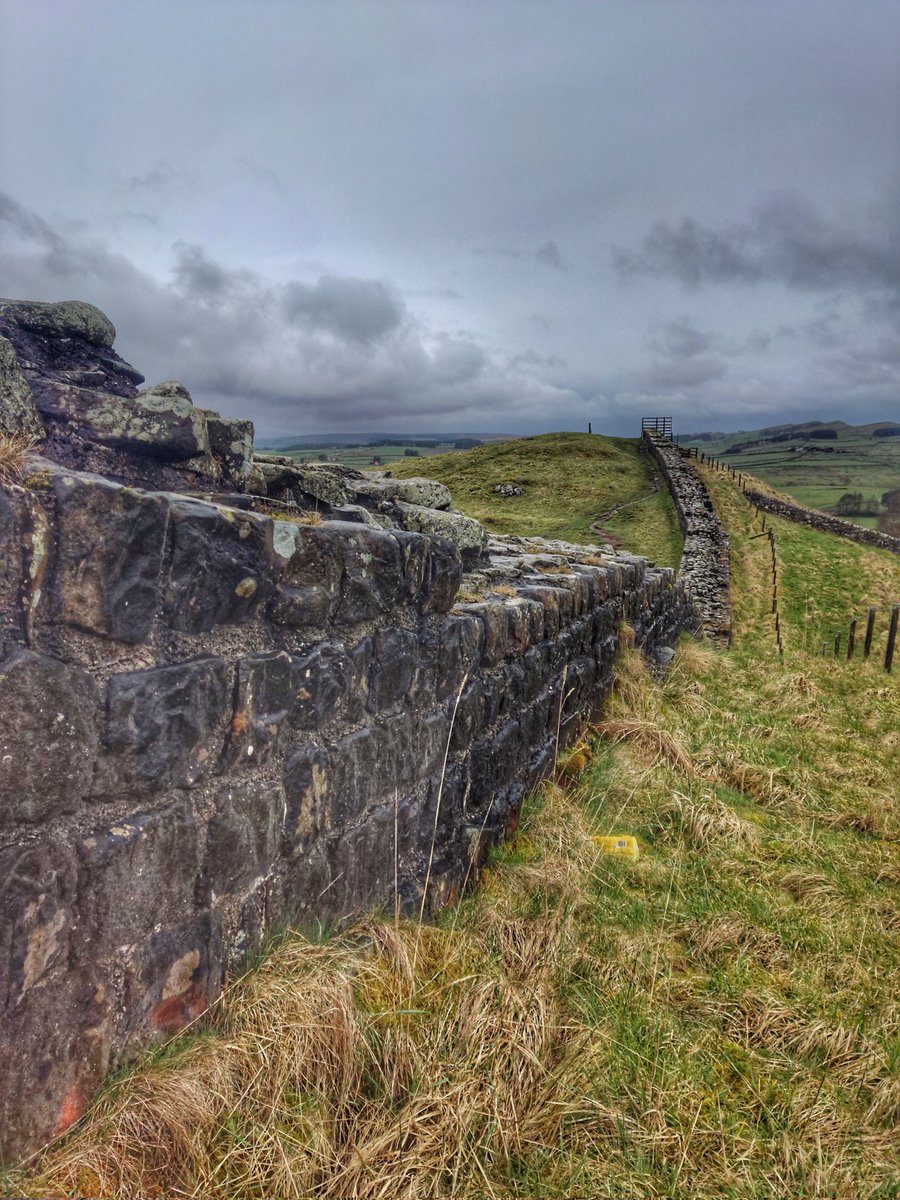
15, 450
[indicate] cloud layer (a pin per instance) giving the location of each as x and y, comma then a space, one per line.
338, 353
509, 217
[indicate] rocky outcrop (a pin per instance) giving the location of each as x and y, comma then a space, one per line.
62, 382
705, 566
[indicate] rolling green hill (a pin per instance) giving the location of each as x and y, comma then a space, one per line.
576, 486
816, 463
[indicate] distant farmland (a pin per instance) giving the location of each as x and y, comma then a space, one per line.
817, 464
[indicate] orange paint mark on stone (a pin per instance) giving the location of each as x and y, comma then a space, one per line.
177, 1011
73, 1106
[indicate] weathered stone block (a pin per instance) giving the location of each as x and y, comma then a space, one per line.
231, 442
312, 568
548, 599
165, 727
468, 717
372, 580
135, 876
362, 864
109, 553
264, 698
13, 533
160, 422
321, 682
37, 893
495, 623
469, 536
444, 576
360, 657
48, 736
17, 410
179, 971
308, 781
394, 667
222, 566
242, 837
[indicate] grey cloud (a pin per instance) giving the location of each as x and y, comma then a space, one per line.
360, 309
550, 256
680, 338
195, 273
342, 352
684, 373
786, 240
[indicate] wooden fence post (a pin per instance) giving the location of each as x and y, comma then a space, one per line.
851, 639
870, 629
892, 638
837, 645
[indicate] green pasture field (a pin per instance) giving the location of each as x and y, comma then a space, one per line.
812, 476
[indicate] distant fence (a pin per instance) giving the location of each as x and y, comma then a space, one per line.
759, 502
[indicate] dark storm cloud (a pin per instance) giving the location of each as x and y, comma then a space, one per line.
339, 352
786, 240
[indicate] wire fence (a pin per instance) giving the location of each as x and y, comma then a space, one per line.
832, 647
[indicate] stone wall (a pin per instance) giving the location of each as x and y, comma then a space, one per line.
214, 722
823, 522
704, 568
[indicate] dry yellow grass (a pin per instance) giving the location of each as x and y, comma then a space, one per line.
15, 449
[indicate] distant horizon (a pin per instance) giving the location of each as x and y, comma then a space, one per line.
385, 437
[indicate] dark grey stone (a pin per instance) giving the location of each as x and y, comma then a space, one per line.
264, 698
49, 733
242, 837
135, 875
222, 566
321, 683
165, 727
109, 553
394, 667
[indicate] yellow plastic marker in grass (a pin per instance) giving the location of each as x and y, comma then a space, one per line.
618, 843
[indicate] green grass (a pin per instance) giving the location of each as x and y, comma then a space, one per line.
817, 479
573, 482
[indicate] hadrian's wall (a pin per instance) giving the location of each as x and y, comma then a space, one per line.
822, 521
705, 568
214, 721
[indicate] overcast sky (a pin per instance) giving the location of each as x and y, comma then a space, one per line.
496, 215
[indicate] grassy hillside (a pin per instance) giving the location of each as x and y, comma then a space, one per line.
813, 471
575, 485
718, 1018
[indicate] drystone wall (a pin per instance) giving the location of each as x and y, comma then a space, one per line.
705, 568
215, 721
821, 521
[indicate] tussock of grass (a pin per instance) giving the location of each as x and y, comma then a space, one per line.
654, 744
15, 449
707, 822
